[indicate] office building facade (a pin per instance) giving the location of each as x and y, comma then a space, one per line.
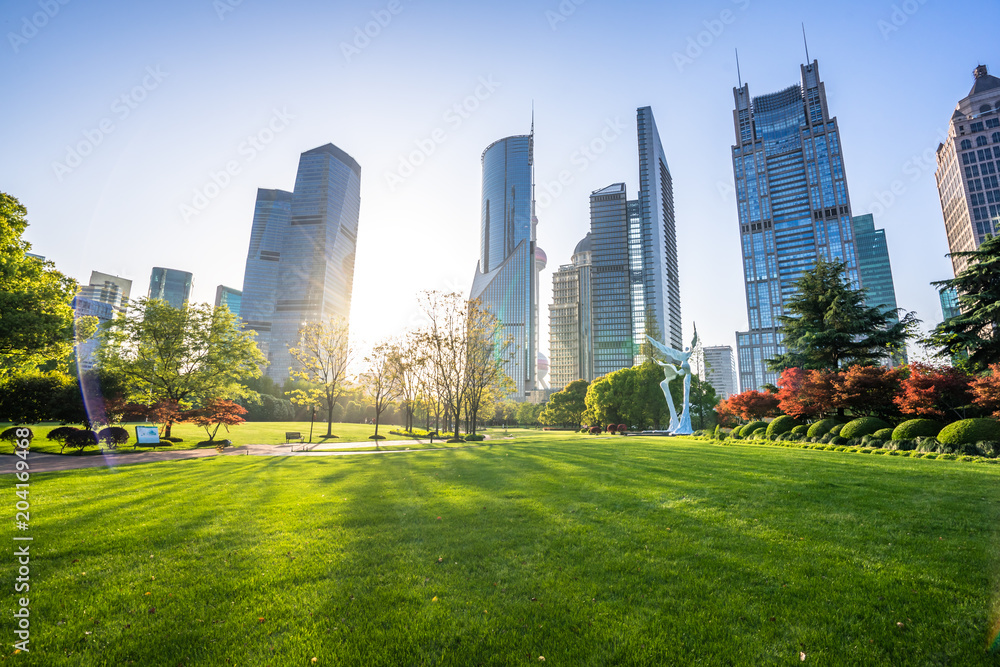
170, 285
109, 289
968, 168
570, 340
611, 281
720, 369
793, 205
506, 278
228, 297
300, 262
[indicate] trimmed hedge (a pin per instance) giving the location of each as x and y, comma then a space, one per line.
751, 428
916, 428
883, 434
836, 429
801, 431
475, 437
780, 425
821, 428
861, 427
969, 432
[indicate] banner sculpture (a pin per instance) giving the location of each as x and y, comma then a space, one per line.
677, 426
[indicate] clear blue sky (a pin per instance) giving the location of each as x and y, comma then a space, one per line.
182, 85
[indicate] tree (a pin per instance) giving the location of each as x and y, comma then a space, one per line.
828, 324
489, 349
32, 397
381, 381
411, 362
179, 355
630, 396
868, 391
446, 340
703, 401
725, 414
753, 405
37, 322
935, 392
216, 412
986, 391
976, 331
566, 407
324, 354
805, 394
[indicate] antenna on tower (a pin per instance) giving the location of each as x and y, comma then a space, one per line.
738, 76
804, 42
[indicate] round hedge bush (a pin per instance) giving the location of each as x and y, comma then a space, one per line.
821, 428
780, 425
837, 428
883, 434
475, 437
916, 428
969, 431
801, 430
860, 427
748, 430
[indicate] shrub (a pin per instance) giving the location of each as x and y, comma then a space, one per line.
594, 430
837, 441
80, 439
916, 428
612, 428
376, 437
835, 430
735, 433
926, 444
113, 436
10, 435
622, 428
759, 434
173, 439
454, 440
988, 448
969, 431
854, 442
779, 426
821, 428
872, 441
475, 437
751, 428
861, 427
800, 431
883, 434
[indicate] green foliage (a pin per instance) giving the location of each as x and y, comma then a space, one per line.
779, 426
883, 434
29, 398
566, 407
829, 325
916, 428
836, 429
475, 437
11, 434
861, 427
821, 428
837, 440
631, 396
528, 414
113, 436
975, 332
800, 431
751, 428
969, 431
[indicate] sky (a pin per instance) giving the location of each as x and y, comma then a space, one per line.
137, 134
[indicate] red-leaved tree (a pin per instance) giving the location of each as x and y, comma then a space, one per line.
727, 417
939, 392
986, 391
806, 394
868, 391
752, 405
216, 412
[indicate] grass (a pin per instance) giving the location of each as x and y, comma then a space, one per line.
639, 551
256, 433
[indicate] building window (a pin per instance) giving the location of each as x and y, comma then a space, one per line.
981, 140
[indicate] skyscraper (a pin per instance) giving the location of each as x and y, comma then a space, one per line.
874, 269
720, 369
170, 285
793, 207
611, 280
105, 296
570, 341
105, 288
950, 307
507, 273
228, 297
300, 263
968, 168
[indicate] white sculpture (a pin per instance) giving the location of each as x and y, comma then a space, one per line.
677, 426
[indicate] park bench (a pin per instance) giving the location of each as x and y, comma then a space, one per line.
292, 435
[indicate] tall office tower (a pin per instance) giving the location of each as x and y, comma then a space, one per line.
105, 288
949, 303
652, 236
793, 207
300, 264
228, 297
170, 285
611, 280
570, 341
720, 369
968, 168
507, 273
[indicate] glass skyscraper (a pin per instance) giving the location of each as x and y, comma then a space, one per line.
611, 280
170, 285
507, 274
793, 207
570, 328
228, 297
300, 264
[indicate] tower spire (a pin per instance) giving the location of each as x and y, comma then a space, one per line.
738, 76
805, 43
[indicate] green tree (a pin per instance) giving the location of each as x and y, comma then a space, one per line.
703, 401
566, 407
381, 381
489, 350
181, 355
976, 331
828, 324
37, 322
631, 396
324, 354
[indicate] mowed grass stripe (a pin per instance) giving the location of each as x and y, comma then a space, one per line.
637, 551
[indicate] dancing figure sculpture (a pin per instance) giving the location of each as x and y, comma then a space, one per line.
681, 426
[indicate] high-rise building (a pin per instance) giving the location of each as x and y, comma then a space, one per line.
949, 303
968, 168
656, 299
611, 280
507, 273
170, 285
228, 297
300, 263
875, 271
720, 369
105, 288
105, 296
793, 206
570, 341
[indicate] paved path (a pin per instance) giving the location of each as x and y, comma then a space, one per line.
39, 462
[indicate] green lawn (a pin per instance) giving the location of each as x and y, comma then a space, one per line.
611, 551
255, 433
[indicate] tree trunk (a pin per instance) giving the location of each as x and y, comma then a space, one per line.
329, 416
